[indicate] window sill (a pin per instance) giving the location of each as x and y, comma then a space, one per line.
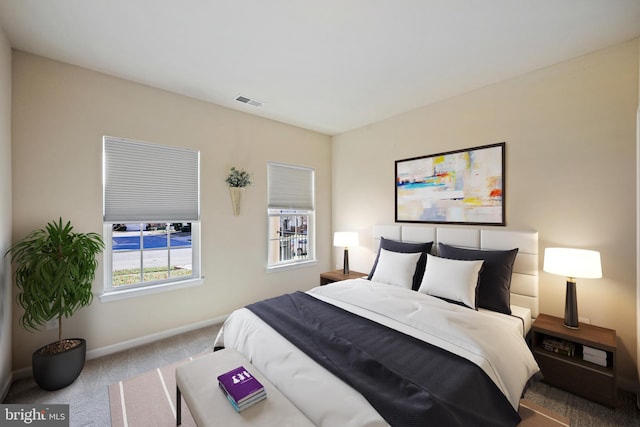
120, 294
292, 266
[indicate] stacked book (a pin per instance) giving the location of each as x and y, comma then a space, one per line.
241, 388
559, 346
594, 355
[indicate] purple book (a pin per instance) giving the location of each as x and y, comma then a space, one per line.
240, 384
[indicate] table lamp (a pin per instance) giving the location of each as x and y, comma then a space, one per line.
345, 239
572, 263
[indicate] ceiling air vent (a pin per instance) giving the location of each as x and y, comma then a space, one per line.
249, 101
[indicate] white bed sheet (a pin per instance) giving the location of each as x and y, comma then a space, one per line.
520, 317
326, 400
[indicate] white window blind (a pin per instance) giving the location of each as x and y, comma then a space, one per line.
290, 187
149, 183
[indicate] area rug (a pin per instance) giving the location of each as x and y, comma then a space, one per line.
150, 400
536, 416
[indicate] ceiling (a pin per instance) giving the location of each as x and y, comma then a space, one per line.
329, 66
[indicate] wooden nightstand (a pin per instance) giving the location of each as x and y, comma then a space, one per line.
571, 372
337, 275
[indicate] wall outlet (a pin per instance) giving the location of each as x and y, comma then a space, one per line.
584, 320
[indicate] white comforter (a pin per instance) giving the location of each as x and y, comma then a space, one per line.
494, 345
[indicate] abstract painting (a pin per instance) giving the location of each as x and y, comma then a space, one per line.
457, 187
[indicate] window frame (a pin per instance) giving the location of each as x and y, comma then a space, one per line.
136, 190
114, 293
279, 210
311, 240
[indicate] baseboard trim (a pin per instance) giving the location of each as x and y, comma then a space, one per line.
6, 385
147, 339
135, 342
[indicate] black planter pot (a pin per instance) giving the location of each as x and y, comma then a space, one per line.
55, 371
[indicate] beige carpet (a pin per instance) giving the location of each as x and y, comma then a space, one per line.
150, 399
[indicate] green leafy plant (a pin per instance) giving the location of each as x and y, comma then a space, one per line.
238, 178
55, 268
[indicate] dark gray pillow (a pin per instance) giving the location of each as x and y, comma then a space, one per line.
406, 248
495, 278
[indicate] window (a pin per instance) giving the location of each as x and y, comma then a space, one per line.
150, 252
151, 217
290, 214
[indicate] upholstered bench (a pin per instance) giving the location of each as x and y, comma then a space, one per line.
197, 382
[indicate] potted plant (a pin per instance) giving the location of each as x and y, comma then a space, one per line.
237, 180
55, 268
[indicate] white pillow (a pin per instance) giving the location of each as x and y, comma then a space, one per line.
396, 268
451, 279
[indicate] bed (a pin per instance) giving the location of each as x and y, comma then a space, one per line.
412, 344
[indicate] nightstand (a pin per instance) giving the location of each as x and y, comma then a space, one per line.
337, 275
569, 371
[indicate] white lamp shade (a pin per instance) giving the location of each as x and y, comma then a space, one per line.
346, 239
577, 263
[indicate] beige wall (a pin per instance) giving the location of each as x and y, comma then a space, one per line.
60, 114
5, 213
570, 166
638, 233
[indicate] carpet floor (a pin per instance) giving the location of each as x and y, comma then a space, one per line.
584, 413
88, 396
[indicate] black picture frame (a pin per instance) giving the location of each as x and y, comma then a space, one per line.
464, 186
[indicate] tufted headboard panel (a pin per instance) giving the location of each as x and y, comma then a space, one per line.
524, 282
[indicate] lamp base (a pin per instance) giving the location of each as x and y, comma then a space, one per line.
345, 263
571, 306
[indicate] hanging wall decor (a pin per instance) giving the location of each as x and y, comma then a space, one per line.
238, 179
456, 187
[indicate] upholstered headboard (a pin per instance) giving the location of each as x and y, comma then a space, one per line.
524, 282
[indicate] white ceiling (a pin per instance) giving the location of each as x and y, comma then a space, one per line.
330, 65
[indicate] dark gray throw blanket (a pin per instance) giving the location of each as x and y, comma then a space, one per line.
409, 382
